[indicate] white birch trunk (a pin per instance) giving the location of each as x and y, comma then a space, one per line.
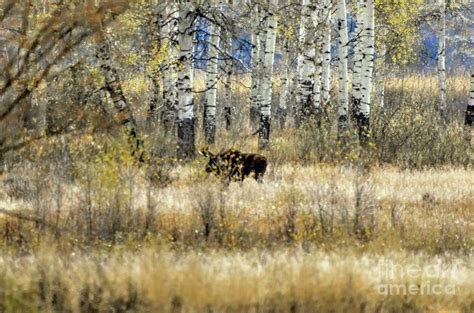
169, 74
306, 84
380, 77
261, 57
282, 109
299, 64
266, 105
367, 70
343, 41
326, 60
318, 73
442, 59
228, 92
469, 115
358, 57
211, 85
256, 66
186, 148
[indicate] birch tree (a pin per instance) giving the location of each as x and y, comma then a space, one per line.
285, 35
343, 41
326, 57
186, 148
299, 65
282, 105
113, 87
261, 71
211, 85
318, 62
265, 107
366, 69
442, 59
169, 72
469, 115
357, 67
306, 79
380, 77
256, 67
228, 92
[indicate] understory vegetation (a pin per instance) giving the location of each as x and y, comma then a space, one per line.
85, 229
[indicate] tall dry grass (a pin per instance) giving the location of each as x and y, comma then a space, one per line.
284, 280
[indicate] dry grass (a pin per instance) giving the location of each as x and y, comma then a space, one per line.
287, 280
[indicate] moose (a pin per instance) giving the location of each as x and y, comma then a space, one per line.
234, 165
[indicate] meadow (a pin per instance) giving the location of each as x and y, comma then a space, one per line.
332, 228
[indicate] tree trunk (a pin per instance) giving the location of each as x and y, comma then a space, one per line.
315, 111
326, 61
266, 105
306, 84
256, 68
380, 77
367, 71
228, 93
298, 79
169, 72
442, 60
114, 89
469, 115
211, 85
282, 109
153, 43
343, 41
186, 148
261, 71
358, 57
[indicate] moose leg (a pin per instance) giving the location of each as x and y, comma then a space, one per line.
260, 168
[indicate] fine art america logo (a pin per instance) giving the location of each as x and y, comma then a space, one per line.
413, 279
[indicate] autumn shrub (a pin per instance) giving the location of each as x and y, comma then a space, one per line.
412, 135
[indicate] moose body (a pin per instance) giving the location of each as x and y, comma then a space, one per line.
235, 165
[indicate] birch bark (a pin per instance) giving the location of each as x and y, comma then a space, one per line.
186, 148
366, 71
306, 83
326, 59
282, 106
211, 85
263, 41
380, 77
296, 110
228, 92
343, 41
469, 115
169, 72
358, 57
256, 67
442, 60
265, 107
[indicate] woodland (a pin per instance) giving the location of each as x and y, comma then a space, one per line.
131, 133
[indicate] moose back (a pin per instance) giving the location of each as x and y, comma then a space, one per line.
235, 165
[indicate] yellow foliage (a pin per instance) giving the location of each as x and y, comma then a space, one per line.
397, 31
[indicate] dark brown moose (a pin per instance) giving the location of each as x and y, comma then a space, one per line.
235, 165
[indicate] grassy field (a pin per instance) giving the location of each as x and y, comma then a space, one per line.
332, 228
310, 238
